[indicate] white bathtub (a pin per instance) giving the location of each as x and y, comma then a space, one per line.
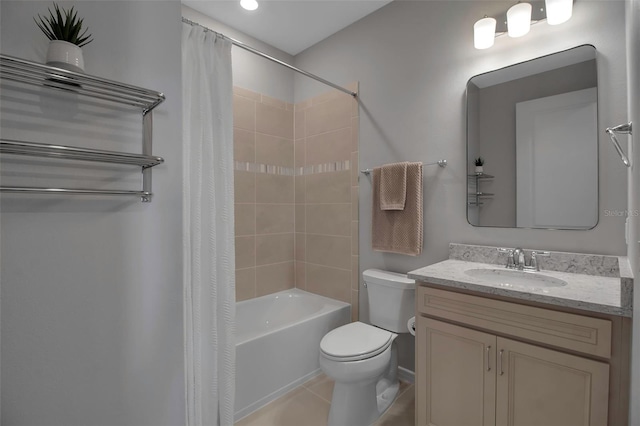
277, 343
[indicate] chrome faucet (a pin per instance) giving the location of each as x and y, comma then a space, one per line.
516, 259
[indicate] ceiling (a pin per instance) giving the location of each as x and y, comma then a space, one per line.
291, 25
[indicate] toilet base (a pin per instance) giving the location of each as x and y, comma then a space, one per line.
362, 403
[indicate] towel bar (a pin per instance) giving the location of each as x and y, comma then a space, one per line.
441, 163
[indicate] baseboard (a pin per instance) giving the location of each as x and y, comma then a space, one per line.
406, 375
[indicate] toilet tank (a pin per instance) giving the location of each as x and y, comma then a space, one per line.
391, 299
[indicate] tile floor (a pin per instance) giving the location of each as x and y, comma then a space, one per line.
308, 405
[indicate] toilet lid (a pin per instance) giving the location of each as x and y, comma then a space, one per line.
356, 340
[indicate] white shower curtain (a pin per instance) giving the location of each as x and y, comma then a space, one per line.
209, 253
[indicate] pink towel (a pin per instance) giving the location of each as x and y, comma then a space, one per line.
399, 231
393, 186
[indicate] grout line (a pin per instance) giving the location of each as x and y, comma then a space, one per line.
330, 267
276, 263
331, 235
328, 131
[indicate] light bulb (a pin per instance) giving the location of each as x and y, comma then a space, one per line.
558, 11
484, 33
249, 4
519, 19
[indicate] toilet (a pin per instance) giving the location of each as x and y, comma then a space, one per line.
362, 359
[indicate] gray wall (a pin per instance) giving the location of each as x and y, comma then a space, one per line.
249, 70
91, 287
497, 131
413, 60
633, 70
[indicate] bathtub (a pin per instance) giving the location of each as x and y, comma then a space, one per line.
277, 343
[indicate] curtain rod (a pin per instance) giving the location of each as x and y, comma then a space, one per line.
271, 58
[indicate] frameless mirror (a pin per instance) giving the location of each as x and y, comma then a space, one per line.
532, 143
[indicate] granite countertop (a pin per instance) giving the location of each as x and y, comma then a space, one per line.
595, 293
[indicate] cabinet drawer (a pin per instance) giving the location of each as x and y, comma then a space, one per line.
574, 332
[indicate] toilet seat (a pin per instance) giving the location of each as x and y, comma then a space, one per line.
354, 342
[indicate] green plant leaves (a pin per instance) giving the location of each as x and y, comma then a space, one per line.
62, 24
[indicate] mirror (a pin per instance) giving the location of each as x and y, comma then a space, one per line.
535, 127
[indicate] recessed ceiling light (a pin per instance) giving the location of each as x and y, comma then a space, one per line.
249, 4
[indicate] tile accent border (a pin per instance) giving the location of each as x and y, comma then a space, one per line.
339, 166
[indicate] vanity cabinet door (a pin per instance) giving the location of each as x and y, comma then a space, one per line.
538, 386
456, 375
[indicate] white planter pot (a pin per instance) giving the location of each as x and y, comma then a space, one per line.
65, 55
479, 169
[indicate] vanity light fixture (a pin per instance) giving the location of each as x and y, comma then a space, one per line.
249, 4
484, 33
518, 19
558, 11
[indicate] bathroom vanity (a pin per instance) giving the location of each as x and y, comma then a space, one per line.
499, 346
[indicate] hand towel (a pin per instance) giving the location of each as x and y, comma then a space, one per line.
393, 186
399, 231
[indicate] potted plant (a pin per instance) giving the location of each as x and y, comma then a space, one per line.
64, 30
479, 163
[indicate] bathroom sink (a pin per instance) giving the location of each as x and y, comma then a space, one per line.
516, 279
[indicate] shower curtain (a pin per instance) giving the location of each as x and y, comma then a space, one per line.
209, 252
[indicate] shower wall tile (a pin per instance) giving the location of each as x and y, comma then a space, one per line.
301, 218
247, 93
299, 149
244, 145
329, 250
329, 147
328, 96
245, 284
274, 218
354, 203
329, 282
245, 252
244, 187
331, 115
301, 244
274, 278
329, 219
299, 120
274, 188
355, 170
274, 248
355, 294
265, 211
301, 275
245, 219
326, 135
303, 105
355, 273
355, 133
354, 238
274, 150
268, 100
274, 121
333, 187
244, 113
301, 189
